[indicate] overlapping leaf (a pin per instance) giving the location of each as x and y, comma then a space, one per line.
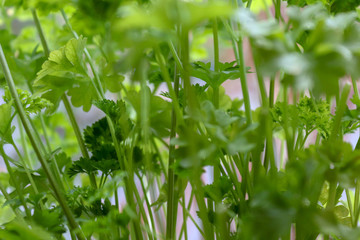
65, 70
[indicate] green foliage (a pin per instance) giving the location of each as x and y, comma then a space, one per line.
107, 225
80, 202
217, 190
160, 112
18, 229
65, 71
335, 6
31, 103
266, 169
99, 142
50, 219
308, 115
45, 7
115, 110
5, 123
215, 79
6, 213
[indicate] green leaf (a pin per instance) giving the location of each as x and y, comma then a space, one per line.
165, 15
50, 219
21, 230
83, 165
309, 114
65, 70
6, 213
254, 28
46, 6
227, 71
31, 103
335, 6
341, 211
108, 189
112, 109
217, 190
160, 112
83, 95
113, 82
5, 122
94, 13
344, 6
74, 50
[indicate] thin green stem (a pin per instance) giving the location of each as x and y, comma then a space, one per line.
175, 114
66, 102
142, 210
193, 220
148, 205
42, 122
129, 190
355, 88
189, 95
272, 92
190, 101
40, 32
216, 60
288, 132
340, 109
243, 81
357, 203
98, 88
176, 57
37, 136
58, 194
260, 78
332, 196
331, 201
24, 144
184, 226
172, 90
248, 3
32, 182
277, 4
8, 198
348, 199
269, 142
18, 188
186, 210
78, 135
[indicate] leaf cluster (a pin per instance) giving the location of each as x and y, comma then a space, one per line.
307, 115
31, 103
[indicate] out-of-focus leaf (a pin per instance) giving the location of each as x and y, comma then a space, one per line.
5, 123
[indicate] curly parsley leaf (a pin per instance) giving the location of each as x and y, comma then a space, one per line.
112, 109
31, 103
83, 165
308, 115
217, 190
80, 201
50, 219
98, 140
315, 114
